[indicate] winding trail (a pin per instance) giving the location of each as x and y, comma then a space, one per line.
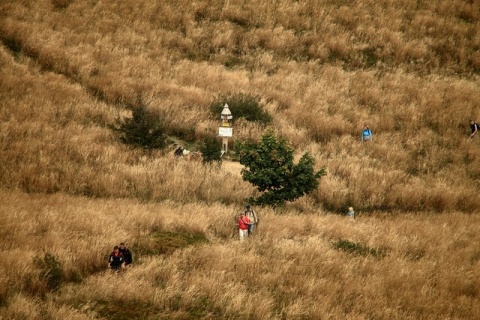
233, 167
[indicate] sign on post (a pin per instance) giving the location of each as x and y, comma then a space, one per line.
226, 132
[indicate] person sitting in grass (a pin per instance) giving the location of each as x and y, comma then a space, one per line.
178, 152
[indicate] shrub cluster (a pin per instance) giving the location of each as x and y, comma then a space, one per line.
242, 106
51, 271
144, 129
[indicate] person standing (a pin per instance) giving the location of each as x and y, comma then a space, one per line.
115, 261
243, 223
252, 217
474, 127
351, 213
367, 134
127, 254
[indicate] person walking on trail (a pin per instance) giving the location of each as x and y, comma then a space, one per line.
252, 217
474, 127
243, 223
116, 261
351, 213
127, 254
367, 134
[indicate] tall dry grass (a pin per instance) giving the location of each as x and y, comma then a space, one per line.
56, 137
408, 69
419, 265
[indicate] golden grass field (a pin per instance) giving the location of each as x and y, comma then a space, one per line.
69, 190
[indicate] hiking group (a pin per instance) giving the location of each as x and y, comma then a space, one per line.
120, 258
181, 152
248, 219
246, 222
367, 136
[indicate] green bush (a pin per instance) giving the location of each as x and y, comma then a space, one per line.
242, 106
144, 129
211, 149
51, 270
185, 133
269, 166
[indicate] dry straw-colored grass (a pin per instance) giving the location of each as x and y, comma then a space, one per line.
323, 69
60, 142
426, 267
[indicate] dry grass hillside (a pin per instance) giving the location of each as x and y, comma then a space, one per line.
70, 190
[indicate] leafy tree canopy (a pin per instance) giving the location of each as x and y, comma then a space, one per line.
269, 166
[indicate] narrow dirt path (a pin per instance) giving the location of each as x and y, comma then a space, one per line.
233, 167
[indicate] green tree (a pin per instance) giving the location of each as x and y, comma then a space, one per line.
144, 129
242, 106
269, 166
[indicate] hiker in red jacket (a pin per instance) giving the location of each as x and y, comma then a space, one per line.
243, 223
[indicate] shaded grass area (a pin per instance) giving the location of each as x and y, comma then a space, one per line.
52, 275
161, 242
123, 310
356, 248
202, 307
166, 242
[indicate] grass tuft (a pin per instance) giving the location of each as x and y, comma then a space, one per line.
357, 248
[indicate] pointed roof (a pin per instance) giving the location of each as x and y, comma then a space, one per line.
226, 112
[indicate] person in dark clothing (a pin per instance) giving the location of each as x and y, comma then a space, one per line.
178, 152
116, 261
127, 254
252, 216
474, 127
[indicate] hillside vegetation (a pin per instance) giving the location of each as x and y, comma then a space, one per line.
70, 190
323, 69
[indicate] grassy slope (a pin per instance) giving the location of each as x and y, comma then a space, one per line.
323, 69
178, 57
298, 266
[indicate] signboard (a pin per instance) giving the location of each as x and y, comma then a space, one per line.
225, 132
